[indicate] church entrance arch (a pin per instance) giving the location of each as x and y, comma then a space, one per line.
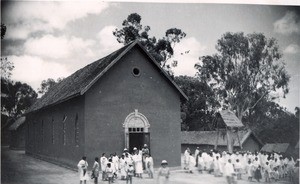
137, 133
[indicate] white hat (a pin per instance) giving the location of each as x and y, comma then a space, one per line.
134, 148
125, 149
145, 145
164, 162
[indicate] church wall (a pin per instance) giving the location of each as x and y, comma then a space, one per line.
45, 137
117, 94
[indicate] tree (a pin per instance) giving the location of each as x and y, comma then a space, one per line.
297, 112
17, 98
47, 84
162, 49
246, 69
198, 111
6, 66
284, 125
3, 30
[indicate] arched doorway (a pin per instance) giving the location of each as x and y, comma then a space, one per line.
137, 133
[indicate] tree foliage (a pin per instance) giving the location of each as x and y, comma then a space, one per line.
3, 30
161, 49
16, 97
273, 123
198, 111
47, 84
246, 69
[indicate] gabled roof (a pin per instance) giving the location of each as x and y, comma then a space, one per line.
17, 123
210, 137
230, 119
81, 81
276, 147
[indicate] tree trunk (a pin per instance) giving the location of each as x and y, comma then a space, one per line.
229, 140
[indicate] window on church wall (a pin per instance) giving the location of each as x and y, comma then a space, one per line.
52, 131
64, 129
76, 130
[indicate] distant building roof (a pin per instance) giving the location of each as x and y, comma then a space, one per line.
230, 119
17, 123
80, 81
276, 147
210, 137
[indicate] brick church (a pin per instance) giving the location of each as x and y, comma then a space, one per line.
123, 100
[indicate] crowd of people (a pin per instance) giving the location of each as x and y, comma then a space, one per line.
257, 166
270, 167
124, 167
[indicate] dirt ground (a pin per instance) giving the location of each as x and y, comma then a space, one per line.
18, 168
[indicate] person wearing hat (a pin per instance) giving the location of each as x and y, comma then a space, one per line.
130, 173
138, 163
163, 173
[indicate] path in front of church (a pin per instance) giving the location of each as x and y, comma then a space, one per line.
18, 168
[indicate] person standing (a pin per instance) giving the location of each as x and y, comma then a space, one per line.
229, 172
163, 173
130, 173
149, 165
104, 162
137, 159
82, 169
123, 167
109, 172
95, 170
186, 158
192, 163
145, 151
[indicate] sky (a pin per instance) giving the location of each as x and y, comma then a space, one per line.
52, 39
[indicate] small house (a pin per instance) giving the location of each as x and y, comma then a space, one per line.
207, 140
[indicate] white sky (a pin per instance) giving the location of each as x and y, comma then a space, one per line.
51, 39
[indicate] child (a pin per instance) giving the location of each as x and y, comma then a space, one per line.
267, 172
95, 170
229, 172
123, 167
217, 172
192, 163
163, 173
149, 165
130, 173
250, 170
109, 172
103, 161
238, 169
200, 162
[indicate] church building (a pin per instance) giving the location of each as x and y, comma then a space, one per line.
123, 100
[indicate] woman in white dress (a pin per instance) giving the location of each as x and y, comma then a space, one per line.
82, 169
138, 161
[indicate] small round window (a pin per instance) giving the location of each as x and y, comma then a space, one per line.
136, 72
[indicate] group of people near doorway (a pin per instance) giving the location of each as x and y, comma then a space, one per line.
270, 167
126, 167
